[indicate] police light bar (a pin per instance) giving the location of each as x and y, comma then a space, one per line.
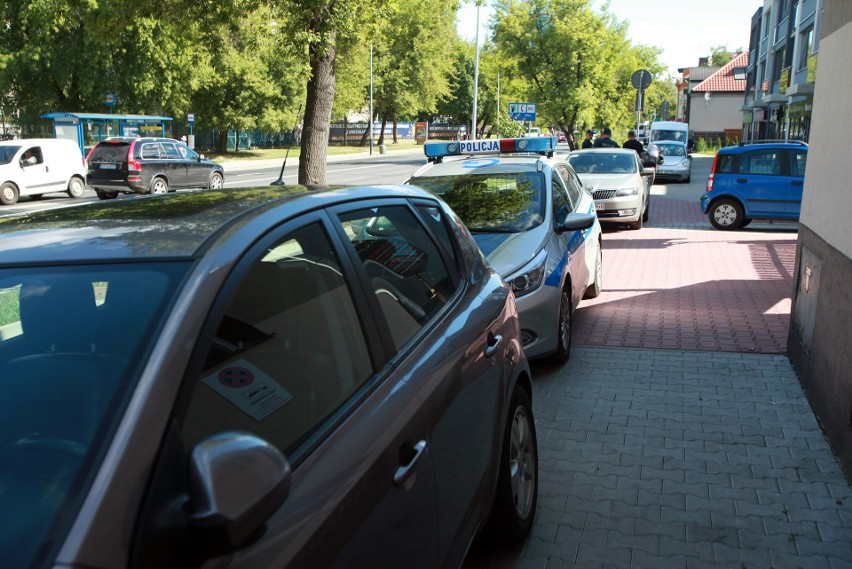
437, 151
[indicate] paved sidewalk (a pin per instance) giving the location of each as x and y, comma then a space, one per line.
682, 459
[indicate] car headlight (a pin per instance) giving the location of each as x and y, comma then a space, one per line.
530, 279
627, 192
684, 162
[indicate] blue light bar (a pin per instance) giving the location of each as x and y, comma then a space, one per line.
436, 151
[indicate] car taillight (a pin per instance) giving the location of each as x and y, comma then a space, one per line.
132, 163
710, 183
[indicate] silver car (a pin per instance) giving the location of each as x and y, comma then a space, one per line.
258, 378
621, 187
677, 161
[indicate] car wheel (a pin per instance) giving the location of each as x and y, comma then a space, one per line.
638, 223
687, 179
517, 484
563, 329
595, 288
9, 194
159, 186
746, 221
215, 182
76, 187
106, 195
726, 214
647, 210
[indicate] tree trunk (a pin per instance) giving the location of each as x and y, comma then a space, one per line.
320, 97
223, 141
394, 129
236, 140
382, 134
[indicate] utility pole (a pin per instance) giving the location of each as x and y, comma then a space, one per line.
370, 121
475, 79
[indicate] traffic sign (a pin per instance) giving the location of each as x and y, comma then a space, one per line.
110, 99
190, 118
522, 111
641, 79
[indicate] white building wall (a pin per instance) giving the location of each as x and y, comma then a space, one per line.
722, 111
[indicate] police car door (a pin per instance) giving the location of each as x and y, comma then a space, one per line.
576, 245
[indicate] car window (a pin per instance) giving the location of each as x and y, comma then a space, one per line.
7, 153
435, 219
491, 203
603, 163
672, 150
561, 202
150, 151
187, 152
169, 151
798, 161
766, 162
109, 152
571, 185
725, 164
404, 267
289, 349
32, 156
72, 341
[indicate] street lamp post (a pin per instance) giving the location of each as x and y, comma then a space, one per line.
475, 78
370, 121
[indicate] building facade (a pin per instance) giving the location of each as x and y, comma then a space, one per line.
820, 339
781, 70
715, 106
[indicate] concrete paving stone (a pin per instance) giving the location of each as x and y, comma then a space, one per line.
627, 496
591, 553
560, 431
791, 530
642, 560
649, 544
812, 489
837, 563
784, 560
573, 447
699, 503
564, 551
572, 466
632, 471
728, 556
839, 549
666, 474
724, 492
788, 500
788, 474
646, 513
599, 506
691, 455
595, 437
656, 449
609, 523
674, 501
831, 518
641, 460
654, 486
672, 530
739, 455
829, 503
544, 531
717, 479
611, 454
696, 489
676, 547
698, 533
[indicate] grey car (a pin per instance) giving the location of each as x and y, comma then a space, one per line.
676, 163
270, 377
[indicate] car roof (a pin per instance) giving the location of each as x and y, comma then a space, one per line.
167, 227
770, 145
488, 164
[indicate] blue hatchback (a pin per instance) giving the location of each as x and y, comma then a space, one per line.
762, 181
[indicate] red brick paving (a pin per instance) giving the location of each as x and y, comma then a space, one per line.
680, 284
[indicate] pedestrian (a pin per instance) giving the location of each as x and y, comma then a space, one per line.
587, 143
633, 144
604, 141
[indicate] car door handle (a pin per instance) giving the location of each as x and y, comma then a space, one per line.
493, 344
406, 471
742, 181
798, 183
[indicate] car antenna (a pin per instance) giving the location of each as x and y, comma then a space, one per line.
280, 181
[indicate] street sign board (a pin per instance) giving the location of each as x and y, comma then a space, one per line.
190, 118
522, 111
641, 79
110, 99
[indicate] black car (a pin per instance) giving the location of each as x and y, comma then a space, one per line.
149, 166
263, 377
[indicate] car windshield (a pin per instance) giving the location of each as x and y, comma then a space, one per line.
672, 149
7, 153
603, 163
491, 203
677, 135
72, 343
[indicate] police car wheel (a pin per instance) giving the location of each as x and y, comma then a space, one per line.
563, 330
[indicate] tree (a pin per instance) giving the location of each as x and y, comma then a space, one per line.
721, 56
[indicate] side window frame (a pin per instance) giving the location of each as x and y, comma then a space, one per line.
557, 186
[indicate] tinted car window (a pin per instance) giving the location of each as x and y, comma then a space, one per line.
434, 218
726, 164
492, 202
404, 266
798, 161
169, 151
289, 349
71, 342
603, 163
150, 151
766, 162
561, 202
109, 152
7, 153
570, 184
672, 149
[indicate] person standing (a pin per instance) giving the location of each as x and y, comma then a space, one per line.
633, 144
604, 141
587, 143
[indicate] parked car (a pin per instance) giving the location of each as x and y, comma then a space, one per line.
763, 181
37, 166
676, 163
533, 132
149, 166
534, 224
620, 185
255, 378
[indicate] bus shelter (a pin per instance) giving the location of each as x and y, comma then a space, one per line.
87, 129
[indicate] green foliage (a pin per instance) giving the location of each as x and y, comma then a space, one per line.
720, 55
505, 127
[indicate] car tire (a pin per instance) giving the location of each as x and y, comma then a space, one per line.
515, 500
9, 194
106, 195
637, 224
746, 221
595, 288
647, 210
563, 328
159, 185
76, 187
215, 182
687, 179
726, 215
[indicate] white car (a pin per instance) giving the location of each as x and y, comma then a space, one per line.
36, 166
534, 223
621, 187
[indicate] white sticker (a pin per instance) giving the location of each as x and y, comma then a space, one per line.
251, 390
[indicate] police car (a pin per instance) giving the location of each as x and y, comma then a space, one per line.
536, 225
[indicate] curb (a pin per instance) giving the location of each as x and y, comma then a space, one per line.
248, 164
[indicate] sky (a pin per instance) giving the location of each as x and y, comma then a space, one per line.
685, 30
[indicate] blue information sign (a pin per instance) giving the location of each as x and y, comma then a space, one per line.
110, 99
522, 111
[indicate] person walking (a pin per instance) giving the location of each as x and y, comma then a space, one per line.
604, 141
633, 144
587, 142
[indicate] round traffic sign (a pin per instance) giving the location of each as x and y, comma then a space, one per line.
641, 79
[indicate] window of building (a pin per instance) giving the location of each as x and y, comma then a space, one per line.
806, 42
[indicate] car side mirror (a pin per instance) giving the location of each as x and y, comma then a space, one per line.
201, 157
575, 222
236, 482
648, 171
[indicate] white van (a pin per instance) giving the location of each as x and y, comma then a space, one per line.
36, 166
669, 130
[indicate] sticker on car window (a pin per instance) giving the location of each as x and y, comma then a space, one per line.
480, 163
252, 391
